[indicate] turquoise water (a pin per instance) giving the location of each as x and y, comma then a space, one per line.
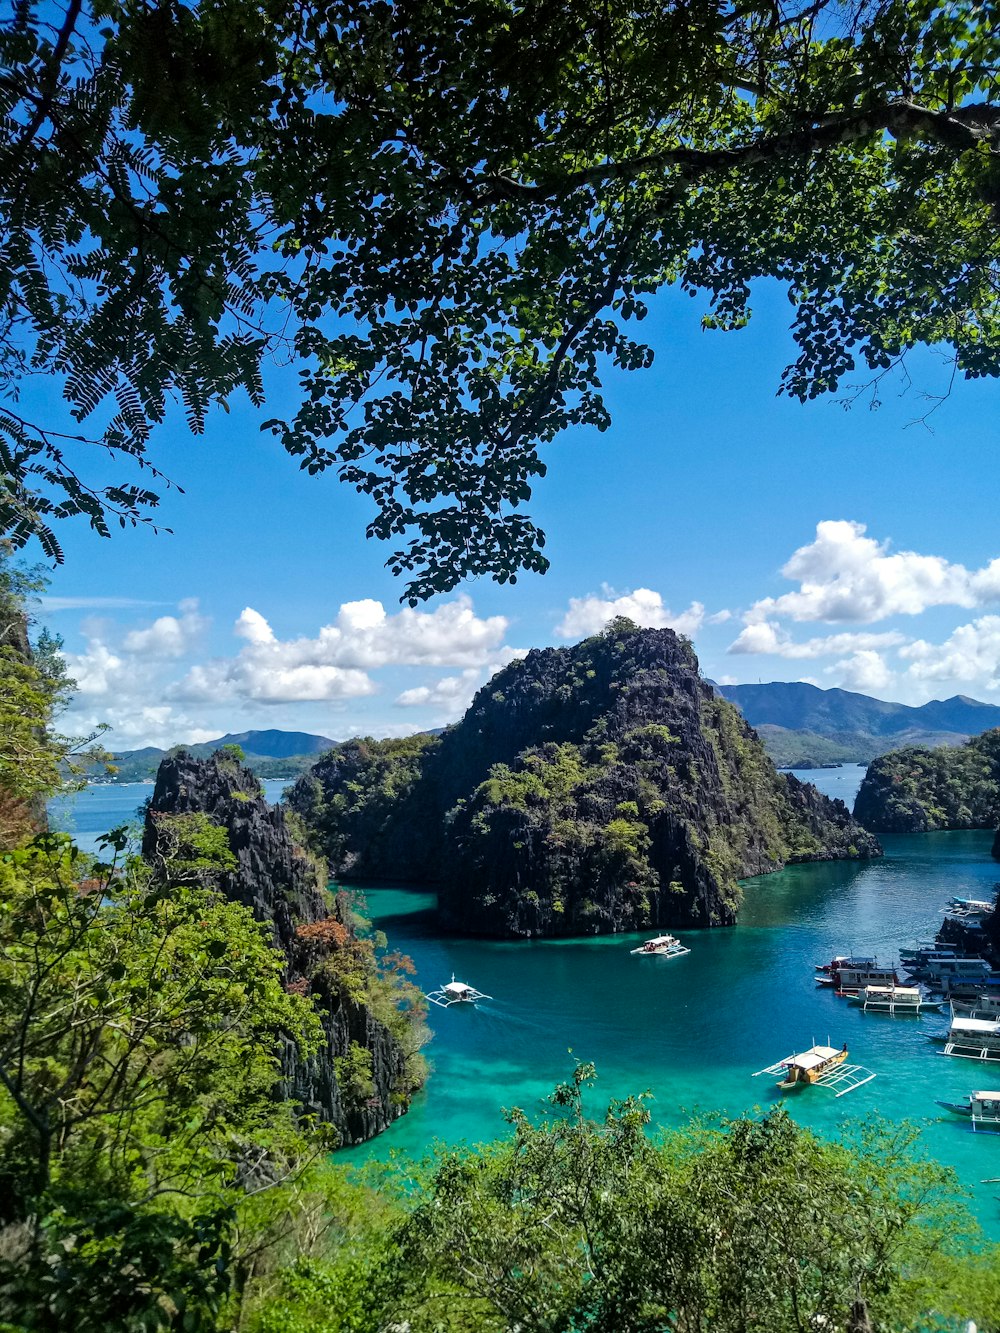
691, 1030
93, 810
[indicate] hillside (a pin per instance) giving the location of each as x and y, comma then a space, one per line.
919, 790
271, 754
798, 706
803, 726
598, 788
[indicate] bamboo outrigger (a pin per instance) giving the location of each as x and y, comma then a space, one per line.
456, 992
820, 1066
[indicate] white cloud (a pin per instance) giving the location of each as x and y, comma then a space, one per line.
971, 653
720, 617
589, 615
168, 636
764, 636
451, 692
845, 576
866, 672
50, 604
335, 664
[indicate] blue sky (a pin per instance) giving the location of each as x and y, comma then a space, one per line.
262, 608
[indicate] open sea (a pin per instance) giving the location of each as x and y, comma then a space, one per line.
690, 1030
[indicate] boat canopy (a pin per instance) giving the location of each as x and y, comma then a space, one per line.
986, 1096
810, 1059
893, 992
983, 1026
663, 939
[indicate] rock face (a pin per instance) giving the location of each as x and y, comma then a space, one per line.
918, 791
599, 788
284, 887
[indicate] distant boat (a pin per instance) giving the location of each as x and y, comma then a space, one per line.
847, 960
982, 1108
663, 946
893, 1000
456, 992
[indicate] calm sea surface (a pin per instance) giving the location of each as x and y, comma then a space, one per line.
690, 1030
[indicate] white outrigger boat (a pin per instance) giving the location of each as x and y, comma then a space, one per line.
663, 946
973, 1039
893, 1000
822, 1066
849, 977
977, 1006
456, 992
982, 1108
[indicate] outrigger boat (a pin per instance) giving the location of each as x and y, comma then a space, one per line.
893, 1000
850, 978
939, 971
973, 1039
982, 1108
824, 1066
978, 1006
664, 946
456, 992
847, 960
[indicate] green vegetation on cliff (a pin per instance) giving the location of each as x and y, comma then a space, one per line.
597, 788
917, 791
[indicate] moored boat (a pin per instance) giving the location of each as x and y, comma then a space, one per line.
456, 992
663, 946
982, 1108
973, 1039
849, 979
847, 960
977, 1006
893, 1000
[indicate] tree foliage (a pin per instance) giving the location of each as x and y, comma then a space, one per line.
570, 1223
139, 1052
450, 214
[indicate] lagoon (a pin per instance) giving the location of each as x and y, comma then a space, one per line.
690, 1030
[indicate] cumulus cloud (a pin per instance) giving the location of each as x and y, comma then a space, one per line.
589, 615
451, 693
970, 653
763, 636
168, 636
866, 671
335, 664
846, 576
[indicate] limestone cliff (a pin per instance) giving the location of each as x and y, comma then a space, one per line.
365, 1075
918, 790
603, 787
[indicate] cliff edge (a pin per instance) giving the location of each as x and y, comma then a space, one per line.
365, 1075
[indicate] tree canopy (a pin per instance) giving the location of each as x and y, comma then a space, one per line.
450, 215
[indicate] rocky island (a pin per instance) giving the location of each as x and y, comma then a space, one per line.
919, 790
366, 1072
598, 788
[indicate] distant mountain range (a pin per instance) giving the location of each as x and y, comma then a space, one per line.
803, 726
271, 754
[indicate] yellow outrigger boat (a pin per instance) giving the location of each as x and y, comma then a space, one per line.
811, 1065
823, 1066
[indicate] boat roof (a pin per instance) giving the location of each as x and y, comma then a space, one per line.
816, 1055
975, 1025
456, 986
986, 1096
892, 990
663, 939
